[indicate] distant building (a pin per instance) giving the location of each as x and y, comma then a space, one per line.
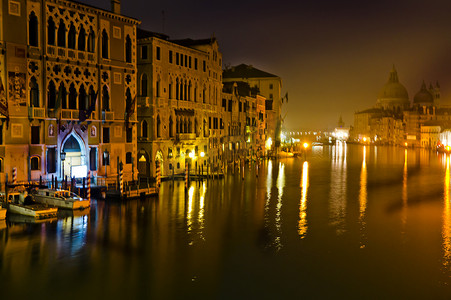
394, 121
67, 85
269, 86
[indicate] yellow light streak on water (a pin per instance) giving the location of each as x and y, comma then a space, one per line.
338, 185
201, 216
363, 200
189, 214
302, 226
278, 220
446, 231
404, 194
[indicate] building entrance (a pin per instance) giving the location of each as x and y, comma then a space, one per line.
74, 165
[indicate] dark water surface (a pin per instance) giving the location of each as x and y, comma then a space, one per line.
351, 222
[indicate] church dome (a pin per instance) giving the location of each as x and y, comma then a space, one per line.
423, 97
393, 94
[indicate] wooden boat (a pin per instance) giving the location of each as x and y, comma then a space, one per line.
19, 202
60, 198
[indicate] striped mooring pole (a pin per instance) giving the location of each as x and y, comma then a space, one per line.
88, 191
121, 181
14, 175
158, 175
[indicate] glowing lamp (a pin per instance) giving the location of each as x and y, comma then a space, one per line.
305, 145
202, 154
191, 154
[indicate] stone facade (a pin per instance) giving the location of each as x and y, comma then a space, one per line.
68, 73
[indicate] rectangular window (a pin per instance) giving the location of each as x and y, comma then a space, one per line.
195, 63
270, 96
181, 59
170, 56
190, 62
230, 105
240, 107
270, 86
178, 151
106, 158
205, 66
14, 8
209, 122
143, 52
51, 160
129, 134
186, 60
158, 53
177, 59
169, 152
224, 104
93, 159
128, 158
116, 32
35, 135
106, 134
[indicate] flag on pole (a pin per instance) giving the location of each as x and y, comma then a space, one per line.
3, 101
85, 114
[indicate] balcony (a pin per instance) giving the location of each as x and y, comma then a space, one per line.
36, 112
70, 114
62, 52
144, 102
107, 115
71, 54
186, 136
51, 50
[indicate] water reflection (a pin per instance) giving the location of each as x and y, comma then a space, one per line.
201, 217
278, 221
189, 210
363, 200
338, 187
446, 231
404, 194
302, 225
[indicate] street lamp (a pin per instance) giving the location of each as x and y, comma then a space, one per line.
63, 158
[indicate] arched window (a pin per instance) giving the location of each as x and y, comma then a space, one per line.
170, 90
51, 95
158, 126
61, 34
82, 98
177, 89
144, 129
171, 124
144, 85
62, 96
105, 44
128, 49
189, 91
34, 163
204, 92
91, 41
71, 37
51, 28
185, 91
105, 98
128, 101
34, 92
72, 97
92, 98
33, 30
195, 94
82, 39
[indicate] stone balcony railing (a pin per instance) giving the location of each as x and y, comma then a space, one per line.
36, 112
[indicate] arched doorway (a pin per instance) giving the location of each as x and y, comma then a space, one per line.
74, 164
143, 163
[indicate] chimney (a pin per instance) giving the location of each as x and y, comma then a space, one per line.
116, 6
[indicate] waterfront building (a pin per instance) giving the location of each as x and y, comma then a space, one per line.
244, 119
179, 107
269, 86
67, 85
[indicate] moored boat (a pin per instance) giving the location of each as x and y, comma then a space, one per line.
21, 203
60, 198
2, 213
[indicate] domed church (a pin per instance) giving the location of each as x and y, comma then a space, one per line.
393, 95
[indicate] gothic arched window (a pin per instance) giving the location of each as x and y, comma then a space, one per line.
71, 37
105, 98
105, 44
171, 124
33, 30
82, 97
51, 32
34, 92
158, 126
61, 34
144, 129
82, 39
91, 41
128, 49
72, 97
51, 95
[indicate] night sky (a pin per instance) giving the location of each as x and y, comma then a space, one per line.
333, 56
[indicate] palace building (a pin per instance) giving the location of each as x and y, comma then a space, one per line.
67, 90
179, 104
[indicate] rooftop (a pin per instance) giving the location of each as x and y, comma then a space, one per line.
245, 71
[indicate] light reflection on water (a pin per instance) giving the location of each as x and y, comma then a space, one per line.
302, 227
293, 229
338, 187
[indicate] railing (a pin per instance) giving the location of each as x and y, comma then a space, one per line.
107, 115
186, 136
72, 114
36, 112
51, 50
71, 54
143, 101
61, 52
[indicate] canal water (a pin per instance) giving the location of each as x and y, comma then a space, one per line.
345, 221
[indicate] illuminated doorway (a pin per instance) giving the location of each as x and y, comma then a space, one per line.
74, 164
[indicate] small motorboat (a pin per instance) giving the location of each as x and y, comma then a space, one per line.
60, 198
19, 202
